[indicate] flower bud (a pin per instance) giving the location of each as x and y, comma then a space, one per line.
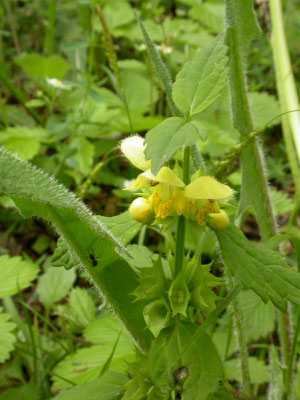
133, 148
218, 221
141, 210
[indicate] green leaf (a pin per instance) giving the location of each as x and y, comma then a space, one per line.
265, 107
201, 360
259, 318
259, 371
201, 81
55, 284
122, 226
39, 66
7, 339
84, 154
36, 194
80, 310
262, 270
16, 274
62, 256
210, 15
86, 364
157, 316
111, 385
165, 139
23, 141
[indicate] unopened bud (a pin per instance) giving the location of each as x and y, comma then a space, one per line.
218, 221
141, 210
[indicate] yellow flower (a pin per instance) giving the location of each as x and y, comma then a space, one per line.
169, 196
141, 210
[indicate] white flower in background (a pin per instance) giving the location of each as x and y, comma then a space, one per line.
165, 49
57, 83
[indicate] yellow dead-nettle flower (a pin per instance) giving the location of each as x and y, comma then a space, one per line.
169, 195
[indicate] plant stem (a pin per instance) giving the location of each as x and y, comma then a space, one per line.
50, 34
287, 91
12, 26
292, 356
241, 337
179, 252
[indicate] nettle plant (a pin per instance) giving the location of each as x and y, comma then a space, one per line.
169, 305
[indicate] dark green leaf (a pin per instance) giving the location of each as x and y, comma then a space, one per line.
259, 269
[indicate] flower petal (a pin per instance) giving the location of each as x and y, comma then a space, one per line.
138, 183
207, 187
133, 148
165, 175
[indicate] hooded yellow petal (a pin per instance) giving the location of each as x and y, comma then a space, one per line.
138, 183
165, 175
133, 148
207, 187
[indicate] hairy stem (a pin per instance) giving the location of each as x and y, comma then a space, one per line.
179, 252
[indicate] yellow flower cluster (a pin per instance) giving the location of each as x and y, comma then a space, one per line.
170, 196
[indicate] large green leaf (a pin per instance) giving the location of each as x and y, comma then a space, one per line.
166, 138
86, 364
55, 284
16, 274
110, 386
259, 269
7, 339
39, 66
36, 194
200, 82
201, 359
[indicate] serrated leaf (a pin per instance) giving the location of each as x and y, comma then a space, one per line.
55, 284
86, 364
165, 139
260, 269
201, 81
36, 194
259, 318
111, 385
7, 339
62, 256
80, 310
16, 274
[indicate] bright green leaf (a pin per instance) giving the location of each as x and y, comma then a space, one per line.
201, 81
122, 226
86, 364
80, 310
16, 274
7, 339
54, 66
110, 385
55, 284
165, 139
259, 371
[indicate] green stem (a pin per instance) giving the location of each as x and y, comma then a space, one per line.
287, 91
179, 252
292, 356
50, 34
241, 338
